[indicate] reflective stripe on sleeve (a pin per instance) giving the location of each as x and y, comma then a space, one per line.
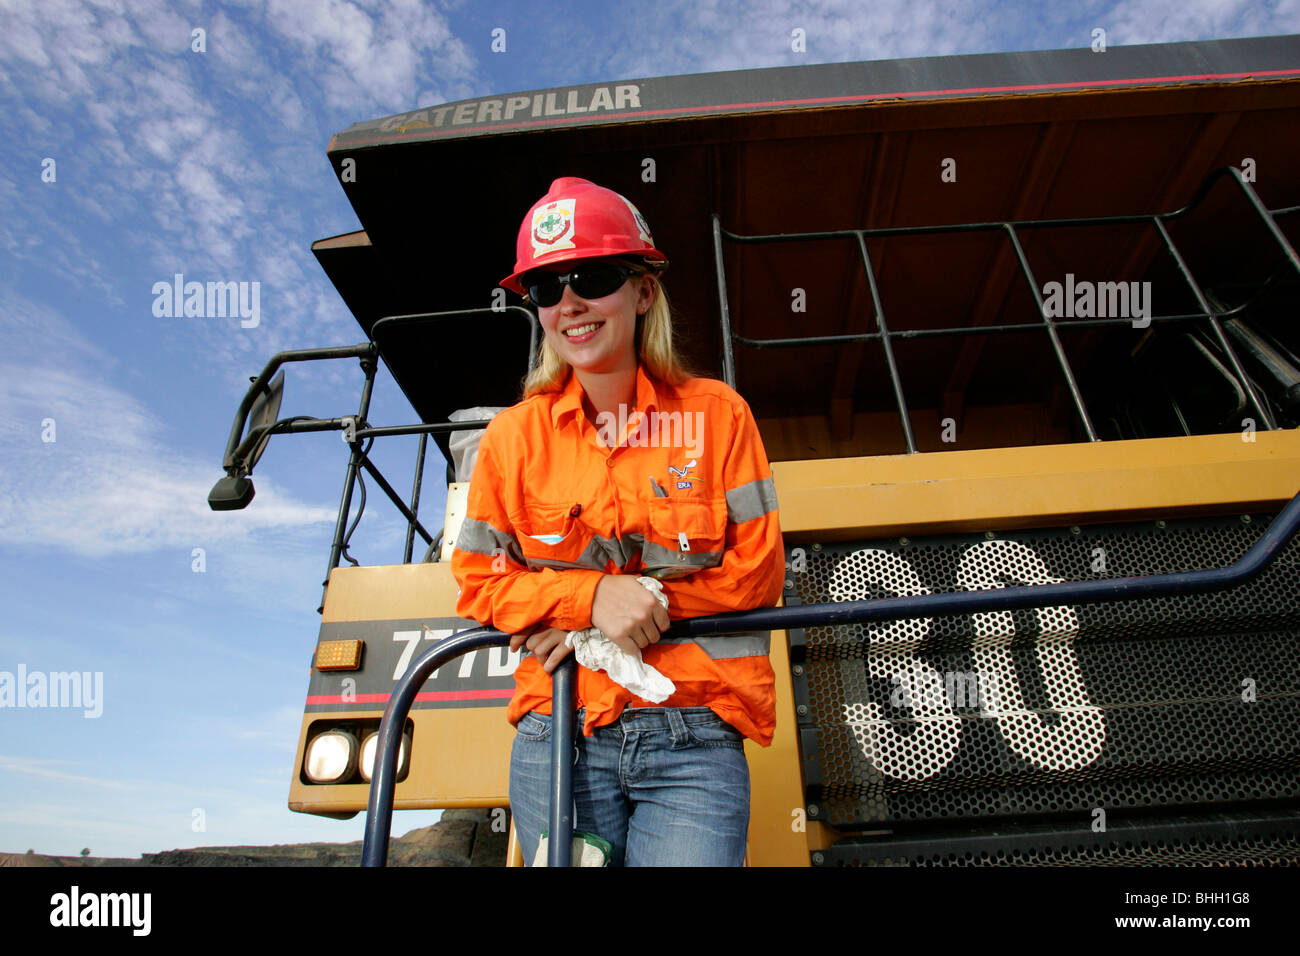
752, 500
479, 537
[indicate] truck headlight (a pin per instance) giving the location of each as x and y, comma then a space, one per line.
370, 747
330, 757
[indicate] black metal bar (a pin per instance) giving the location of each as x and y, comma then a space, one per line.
368, 366
966, 330
379, 810
414, 318
1178, 411
415, 499
1061, 359
564, 682
237, 450
1224, 344
341, 522
1250, 564
383, 782
290, 426
724, 310
396, 499
1017, 328
883, 231
1275, 363
534, 336
436, 428
260, 383
1269, 223
286, 426
894, 378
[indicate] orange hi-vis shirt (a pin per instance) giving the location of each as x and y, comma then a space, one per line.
686, 496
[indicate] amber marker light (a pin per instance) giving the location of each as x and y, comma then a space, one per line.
339, 655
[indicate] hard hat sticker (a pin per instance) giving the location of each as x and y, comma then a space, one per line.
641, 224
553, 226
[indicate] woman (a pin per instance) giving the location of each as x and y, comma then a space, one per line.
615, 466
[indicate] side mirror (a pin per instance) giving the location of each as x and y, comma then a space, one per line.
235, 493
231, 494
265, 410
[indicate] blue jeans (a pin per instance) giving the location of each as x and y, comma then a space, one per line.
665, 786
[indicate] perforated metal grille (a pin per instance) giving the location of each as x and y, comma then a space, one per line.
1185, 700
1278, 851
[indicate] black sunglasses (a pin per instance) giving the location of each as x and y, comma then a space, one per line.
589, 280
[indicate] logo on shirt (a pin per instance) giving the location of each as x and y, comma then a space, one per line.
683, 474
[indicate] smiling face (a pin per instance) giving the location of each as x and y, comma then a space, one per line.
611, 345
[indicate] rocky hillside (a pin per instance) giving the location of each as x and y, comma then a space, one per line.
460, 838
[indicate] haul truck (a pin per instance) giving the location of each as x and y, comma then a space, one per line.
1003, 320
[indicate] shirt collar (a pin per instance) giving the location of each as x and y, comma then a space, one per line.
570, 400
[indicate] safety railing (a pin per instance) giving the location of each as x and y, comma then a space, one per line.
379, 811
242, 448
1011, 229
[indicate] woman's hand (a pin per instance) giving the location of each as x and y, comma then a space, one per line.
627, 613
546, 644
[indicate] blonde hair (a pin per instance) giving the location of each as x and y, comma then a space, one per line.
654, 349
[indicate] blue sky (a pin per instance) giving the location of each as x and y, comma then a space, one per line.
213, 165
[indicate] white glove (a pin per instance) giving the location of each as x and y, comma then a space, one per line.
597, 652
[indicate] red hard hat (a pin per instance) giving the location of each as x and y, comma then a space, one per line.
577, 219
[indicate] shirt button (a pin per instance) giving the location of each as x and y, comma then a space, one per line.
609, 462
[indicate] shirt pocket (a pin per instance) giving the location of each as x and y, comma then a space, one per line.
685, 535
551, 536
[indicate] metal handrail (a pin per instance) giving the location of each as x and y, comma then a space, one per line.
356, 428
885, 336
379, 810
383, 783
229, 461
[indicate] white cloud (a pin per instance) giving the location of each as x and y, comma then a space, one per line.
30, 333
680, 37
108, 483
374, 54
698, 36
184, 157
47, 768
1165, 21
